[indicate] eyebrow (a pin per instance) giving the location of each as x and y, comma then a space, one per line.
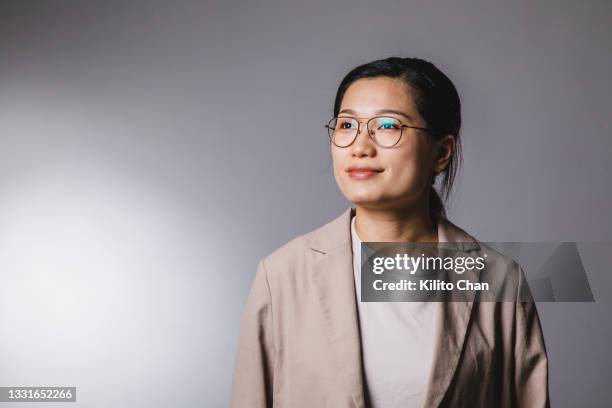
381, 111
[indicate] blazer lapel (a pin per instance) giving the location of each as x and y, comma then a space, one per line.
453, 321
333, 276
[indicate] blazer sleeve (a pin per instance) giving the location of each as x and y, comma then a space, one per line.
253, 370
531, 361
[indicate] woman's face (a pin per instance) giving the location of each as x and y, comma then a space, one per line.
402, 171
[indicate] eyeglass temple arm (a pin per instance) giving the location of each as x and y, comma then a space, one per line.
416, 127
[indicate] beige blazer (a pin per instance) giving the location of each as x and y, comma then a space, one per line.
300, 346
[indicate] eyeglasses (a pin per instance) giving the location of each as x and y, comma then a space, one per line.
386, 131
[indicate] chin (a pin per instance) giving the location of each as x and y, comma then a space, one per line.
365, 201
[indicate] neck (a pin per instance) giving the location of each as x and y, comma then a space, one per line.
401, 225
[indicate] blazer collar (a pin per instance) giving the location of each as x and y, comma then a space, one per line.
338, 232
333, 275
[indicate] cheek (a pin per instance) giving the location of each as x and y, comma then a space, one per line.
408, 170
338, 160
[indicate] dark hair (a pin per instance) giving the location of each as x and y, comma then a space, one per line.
436, 99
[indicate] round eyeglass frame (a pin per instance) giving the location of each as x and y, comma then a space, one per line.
330, 129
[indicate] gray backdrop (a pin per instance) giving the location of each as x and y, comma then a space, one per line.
152, 152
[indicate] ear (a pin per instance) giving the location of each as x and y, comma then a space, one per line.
445, 151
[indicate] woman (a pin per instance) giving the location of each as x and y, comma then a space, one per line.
306, 338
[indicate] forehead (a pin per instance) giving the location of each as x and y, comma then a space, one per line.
370, 94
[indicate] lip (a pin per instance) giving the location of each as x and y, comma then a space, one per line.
363, 172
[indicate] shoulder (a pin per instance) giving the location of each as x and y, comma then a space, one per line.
310, 245
290, 252
467, 241
502, 271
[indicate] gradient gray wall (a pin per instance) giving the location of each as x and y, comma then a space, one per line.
151, 153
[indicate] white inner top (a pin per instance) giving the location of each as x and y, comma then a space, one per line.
397, 340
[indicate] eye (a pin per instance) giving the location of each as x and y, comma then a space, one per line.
344, 123
388, 124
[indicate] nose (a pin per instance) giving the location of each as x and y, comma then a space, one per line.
363, 144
